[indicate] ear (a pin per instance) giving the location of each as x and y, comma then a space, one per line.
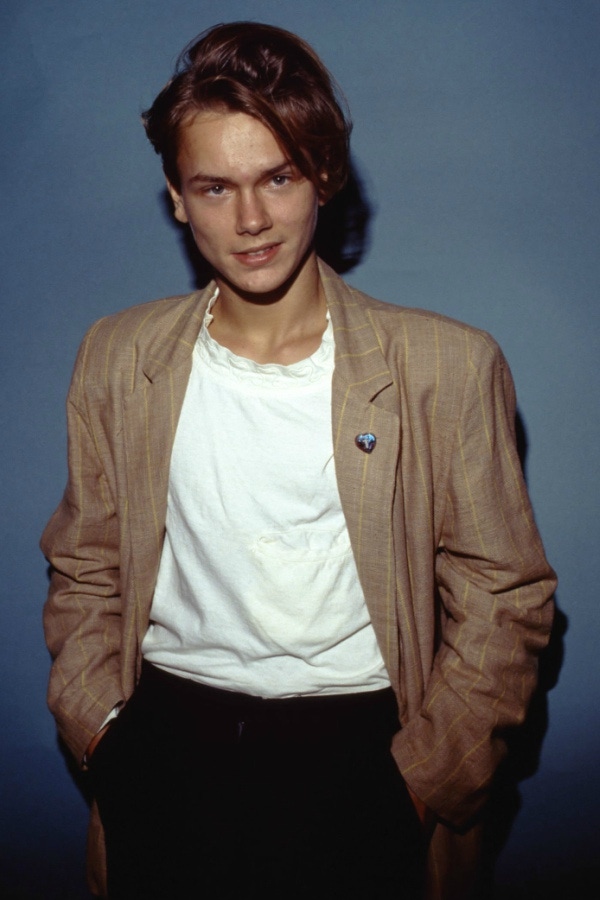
178, 207
323, 189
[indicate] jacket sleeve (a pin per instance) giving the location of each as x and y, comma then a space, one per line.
495, 587
83, 610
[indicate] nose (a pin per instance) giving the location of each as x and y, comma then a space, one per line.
252, 214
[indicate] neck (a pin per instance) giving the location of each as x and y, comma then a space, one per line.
282, 326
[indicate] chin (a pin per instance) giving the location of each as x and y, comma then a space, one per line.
266, 281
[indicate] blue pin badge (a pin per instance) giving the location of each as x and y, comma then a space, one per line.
366, 442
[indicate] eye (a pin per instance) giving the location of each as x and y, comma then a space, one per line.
215, 190
281, 180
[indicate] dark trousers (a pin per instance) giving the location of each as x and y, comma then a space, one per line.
211, 794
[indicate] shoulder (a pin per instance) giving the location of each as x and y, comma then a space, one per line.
149, 330
138, 342
144, 321
400, 328
420, 339
423, 325
434, 356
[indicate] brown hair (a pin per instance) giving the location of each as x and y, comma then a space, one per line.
267, 73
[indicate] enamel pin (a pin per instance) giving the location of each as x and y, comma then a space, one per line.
366, 441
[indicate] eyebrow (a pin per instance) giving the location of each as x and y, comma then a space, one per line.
204, 178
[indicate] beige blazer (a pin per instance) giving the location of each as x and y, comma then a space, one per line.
447, 551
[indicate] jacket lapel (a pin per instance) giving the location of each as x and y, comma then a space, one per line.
366, 401
150, 414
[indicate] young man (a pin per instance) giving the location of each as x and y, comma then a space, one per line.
297, 591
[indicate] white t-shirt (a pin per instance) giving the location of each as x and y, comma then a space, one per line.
257, 589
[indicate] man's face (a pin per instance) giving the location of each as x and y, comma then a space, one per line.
252, 214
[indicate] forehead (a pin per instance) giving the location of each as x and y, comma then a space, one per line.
229, 143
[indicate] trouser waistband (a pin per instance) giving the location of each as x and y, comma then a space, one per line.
372, 714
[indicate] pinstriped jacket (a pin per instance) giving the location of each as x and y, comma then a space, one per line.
447, 551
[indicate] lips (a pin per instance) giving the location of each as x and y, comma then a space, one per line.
258, 256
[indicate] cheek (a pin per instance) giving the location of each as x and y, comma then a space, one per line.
303, 215
312, 206
206, 231
311, 218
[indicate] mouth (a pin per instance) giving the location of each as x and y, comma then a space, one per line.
257, 256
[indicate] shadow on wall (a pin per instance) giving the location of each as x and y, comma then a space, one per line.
524, 743
522, 761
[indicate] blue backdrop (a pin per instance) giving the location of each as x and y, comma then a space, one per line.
476, 143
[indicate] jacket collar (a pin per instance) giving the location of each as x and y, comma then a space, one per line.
173, 349
360, 365
365, 396
359, 361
